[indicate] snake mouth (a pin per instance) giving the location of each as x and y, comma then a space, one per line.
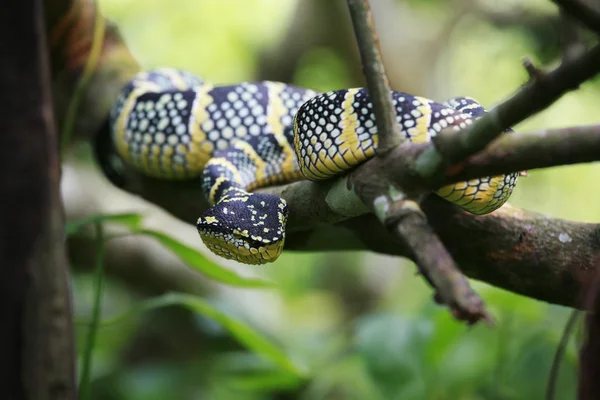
262, 254
254, 243
238, 246
224, 232
258, 253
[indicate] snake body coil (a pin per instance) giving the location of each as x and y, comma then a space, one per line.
170, 124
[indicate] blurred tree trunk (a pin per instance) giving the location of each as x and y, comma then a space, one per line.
36, 339
315, 23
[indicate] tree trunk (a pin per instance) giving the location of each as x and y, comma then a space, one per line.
36, 339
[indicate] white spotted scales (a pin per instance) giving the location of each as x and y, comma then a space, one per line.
170, 124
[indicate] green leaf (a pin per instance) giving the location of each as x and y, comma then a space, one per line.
196, 260
130, 220
188, 255
242, 332
265, 381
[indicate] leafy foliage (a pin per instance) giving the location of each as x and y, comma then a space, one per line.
193, 258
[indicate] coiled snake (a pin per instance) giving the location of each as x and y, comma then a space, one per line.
170, 124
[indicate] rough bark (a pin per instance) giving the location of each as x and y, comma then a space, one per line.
36, 356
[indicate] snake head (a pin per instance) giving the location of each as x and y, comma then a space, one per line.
245, 227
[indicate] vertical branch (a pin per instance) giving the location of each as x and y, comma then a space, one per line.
589, 353
90, 64
399, 213
36, 339
379, 88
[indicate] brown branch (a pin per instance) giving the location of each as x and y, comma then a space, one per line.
70, 27
315, 203
389, 134
589, 353
37, 354
437, 265
401, 215
531, 150
316, 24
452, 147
581, 11
549, 259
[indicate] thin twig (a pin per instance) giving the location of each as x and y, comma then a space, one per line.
560, 353
389, 133
532, 70
450, 147
581, 11
531, 150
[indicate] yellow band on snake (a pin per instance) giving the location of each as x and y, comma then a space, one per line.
170, 124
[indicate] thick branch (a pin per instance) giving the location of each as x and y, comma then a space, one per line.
535, 96
548, 259
334, 201
37, 355
377, 82
581, 11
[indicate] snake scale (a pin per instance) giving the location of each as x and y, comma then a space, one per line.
170, 124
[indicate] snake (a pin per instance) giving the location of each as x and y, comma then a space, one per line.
169, 124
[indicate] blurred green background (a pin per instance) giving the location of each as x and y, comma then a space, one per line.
354, 325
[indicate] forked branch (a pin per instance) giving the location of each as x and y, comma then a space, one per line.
399, 213
541, 257
450, 148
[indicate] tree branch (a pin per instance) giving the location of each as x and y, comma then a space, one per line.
70, 26
440, 270
581, 11
389, 134
531, 150
450, 147
401, 215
